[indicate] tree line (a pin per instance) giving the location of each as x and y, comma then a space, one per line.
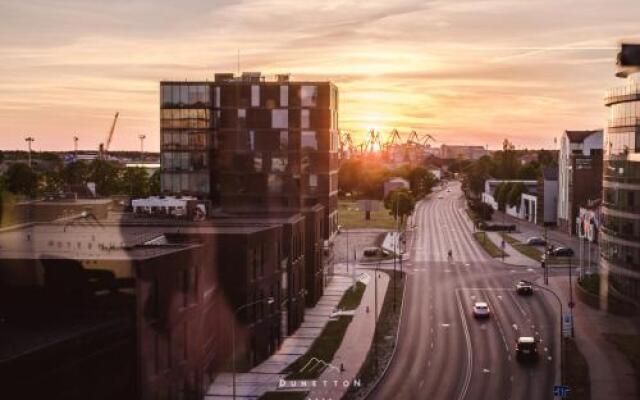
363, 178
110, 178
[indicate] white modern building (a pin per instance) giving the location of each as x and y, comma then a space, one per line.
579, 173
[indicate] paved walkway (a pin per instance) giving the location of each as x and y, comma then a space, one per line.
610, 373
514, 258
266, 376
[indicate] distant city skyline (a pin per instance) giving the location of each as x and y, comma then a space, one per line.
467, 72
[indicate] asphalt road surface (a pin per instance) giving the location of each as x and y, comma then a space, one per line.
443, 352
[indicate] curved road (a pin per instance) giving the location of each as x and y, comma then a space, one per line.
443, 353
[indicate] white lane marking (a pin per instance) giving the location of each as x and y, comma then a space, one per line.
485, 370
499, 297
549, 358
467, 336
446, 325
473, 297
529, 269
432, 345
546, 349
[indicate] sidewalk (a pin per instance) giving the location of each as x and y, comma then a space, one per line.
266, 376
610, 373
514, 258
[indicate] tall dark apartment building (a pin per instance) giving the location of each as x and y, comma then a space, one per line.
620, 232
250, 144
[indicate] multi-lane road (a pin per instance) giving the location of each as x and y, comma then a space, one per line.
443, 352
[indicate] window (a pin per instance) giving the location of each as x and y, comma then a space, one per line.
313, 180
284, 96
304, 119
255, 96
279, 164
217, 97
280, 119
308, 95
274, 184
284, 140
257, 163
309, 140
252, 140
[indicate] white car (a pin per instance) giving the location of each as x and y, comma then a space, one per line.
441, 197
481, 310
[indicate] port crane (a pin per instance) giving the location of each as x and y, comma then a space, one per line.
104, 147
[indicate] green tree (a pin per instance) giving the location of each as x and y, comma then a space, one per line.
136, 182
421, 181
75, 173
21, 179
529, 170
349, 175
154, 183
400, 204
501, 194
107, 177
515, 192
51, 180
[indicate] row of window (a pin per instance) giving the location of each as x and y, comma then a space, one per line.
190, 95
174, 182
184, 139
185, 95
621, 254
185, 160
622, 143
624, 114
622, 199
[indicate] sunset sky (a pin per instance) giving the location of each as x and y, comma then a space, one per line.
466, 71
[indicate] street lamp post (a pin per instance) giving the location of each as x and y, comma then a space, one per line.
269, 300
562, 347
142, 137
29, 140
75, 146
375, 314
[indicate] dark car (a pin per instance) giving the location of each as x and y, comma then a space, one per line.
524, 288
526, 349
562, 252
536, 241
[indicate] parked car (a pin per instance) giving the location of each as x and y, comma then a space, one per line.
536, 241
526, 349
524, 288
481, 310
562, 252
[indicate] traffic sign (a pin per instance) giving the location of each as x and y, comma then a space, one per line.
566, 325
561, 391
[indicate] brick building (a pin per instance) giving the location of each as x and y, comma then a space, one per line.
135, 310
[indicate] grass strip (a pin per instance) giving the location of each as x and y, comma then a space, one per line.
326, 345
350, 217
488, 245
351, 298
576, 372
284, 395
629, 345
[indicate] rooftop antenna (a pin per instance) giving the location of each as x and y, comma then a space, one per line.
238, 62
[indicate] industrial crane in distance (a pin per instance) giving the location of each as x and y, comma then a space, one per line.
103, 151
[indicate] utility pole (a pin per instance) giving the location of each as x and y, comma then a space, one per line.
375, 315
142, 137
29, 140
75, 147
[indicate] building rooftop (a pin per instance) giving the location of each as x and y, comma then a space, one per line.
580, 136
